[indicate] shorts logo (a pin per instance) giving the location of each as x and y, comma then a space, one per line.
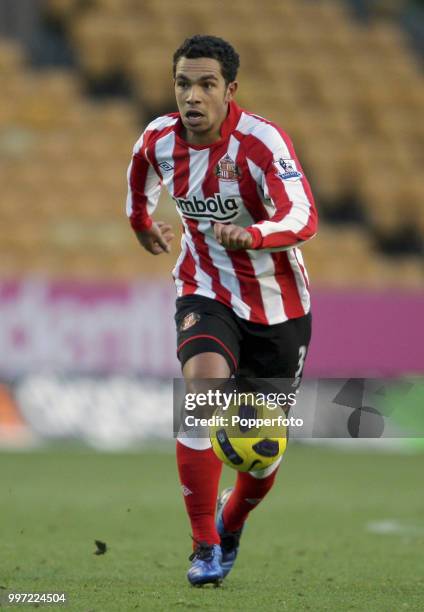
165, 166
189, 320
215, 207
227, 169
286, 170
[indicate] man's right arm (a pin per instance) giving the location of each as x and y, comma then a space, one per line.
144, 187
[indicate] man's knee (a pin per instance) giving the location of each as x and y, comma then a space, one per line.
206, 365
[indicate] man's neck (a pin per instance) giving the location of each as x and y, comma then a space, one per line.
205, 138
208, 137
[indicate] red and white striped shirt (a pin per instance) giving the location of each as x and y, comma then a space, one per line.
250, 177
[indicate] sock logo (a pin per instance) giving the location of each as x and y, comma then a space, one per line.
252, 500
186, 491
215, 208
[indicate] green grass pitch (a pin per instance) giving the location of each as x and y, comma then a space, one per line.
306, 548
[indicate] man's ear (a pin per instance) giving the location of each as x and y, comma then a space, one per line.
231, 90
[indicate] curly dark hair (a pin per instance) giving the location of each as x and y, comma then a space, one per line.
213, 47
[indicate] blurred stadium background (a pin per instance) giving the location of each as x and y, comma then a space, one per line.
86, 317
78, 296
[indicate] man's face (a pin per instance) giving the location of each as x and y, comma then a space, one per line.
202, 98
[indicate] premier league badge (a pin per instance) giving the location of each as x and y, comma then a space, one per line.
286, 170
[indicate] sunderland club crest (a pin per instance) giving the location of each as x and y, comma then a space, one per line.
189, 320
227, 169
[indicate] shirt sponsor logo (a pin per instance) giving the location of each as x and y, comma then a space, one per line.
215, 208
227, 169
286, 170
165, 166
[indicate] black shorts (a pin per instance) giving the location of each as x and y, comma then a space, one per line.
251, 349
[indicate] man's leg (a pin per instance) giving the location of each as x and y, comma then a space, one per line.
250, 490
208, 348
234, 506
284, 349
198, 466
208, 341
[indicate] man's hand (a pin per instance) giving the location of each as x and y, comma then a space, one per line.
157, 239
232, 236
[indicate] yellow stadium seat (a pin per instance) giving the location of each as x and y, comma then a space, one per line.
11, 57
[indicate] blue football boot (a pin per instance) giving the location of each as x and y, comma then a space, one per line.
230, 540
206, 565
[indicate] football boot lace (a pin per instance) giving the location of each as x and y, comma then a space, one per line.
203, 551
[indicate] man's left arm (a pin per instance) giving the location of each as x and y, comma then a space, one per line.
295, 219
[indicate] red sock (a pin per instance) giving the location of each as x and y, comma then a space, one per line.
200, 471
247, 494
